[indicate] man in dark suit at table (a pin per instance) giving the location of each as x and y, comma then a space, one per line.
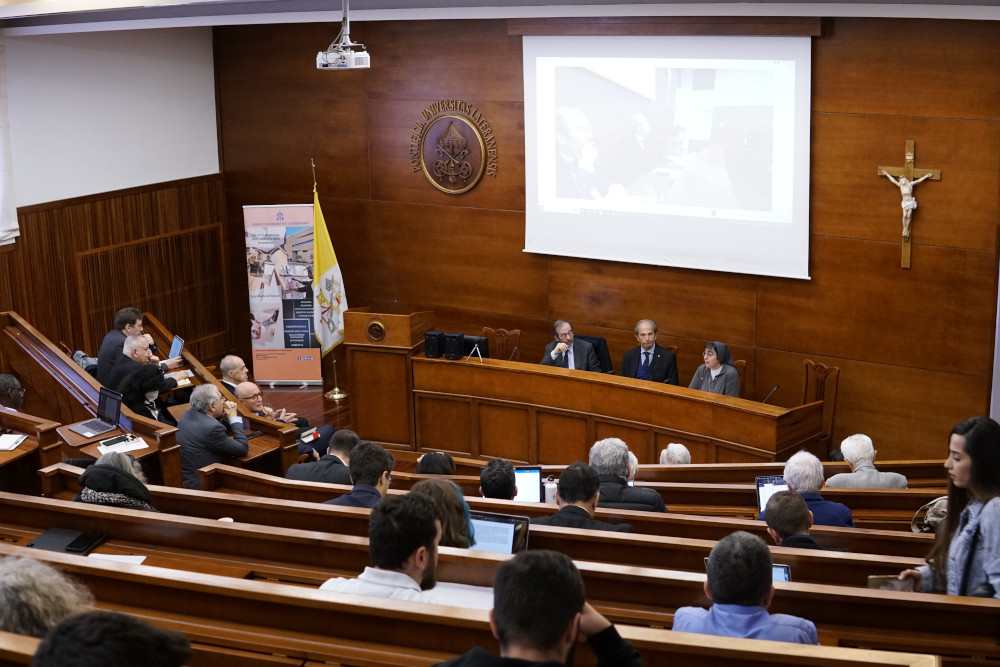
371, 466
128, 322
136, 353
234, 371
566, 352
203, 438
577, 495
649, 361
333, 467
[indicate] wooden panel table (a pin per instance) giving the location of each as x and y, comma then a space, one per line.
18, 466
542, 414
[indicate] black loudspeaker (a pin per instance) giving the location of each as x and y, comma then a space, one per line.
454, 344
433, 344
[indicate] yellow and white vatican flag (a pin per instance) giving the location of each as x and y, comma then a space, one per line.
328, 284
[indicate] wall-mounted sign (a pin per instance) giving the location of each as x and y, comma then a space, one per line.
453, 144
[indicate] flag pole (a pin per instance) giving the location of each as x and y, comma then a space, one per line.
334, 394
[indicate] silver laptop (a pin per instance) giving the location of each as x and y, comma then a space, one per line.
109, 409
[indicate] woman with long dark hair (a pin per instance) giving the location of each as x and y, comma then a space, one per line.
965, 559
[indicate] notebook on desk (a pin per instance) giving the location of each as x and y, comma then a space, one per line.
109, 409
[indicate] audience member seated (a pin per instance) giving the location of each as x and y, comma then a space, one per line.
436, 463
789, 521
497, 480
141, 391
11, 392
116, 480
403, 536
371, 466
717, 375
203, 438
539, 609
252, 399
577, 495
804, 475
836, 456
128, 322
859, 452
456, 528
332, 468
675, 454
633, 468
649, 361
234, 371
566, 352
609, 459
34, 597
136, 354
739, 586
110, 639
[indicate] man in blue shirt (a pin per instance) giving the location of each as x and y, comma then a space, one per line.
739, 585
371, 466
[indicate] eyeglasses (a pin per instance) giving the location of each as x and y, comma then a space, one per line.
252, 397
563, 336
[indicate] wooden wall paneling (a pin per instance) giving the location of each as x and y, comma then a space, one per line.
393, 177
445, 424
938, 315
850, 200
444, 60
700, 305
173, 275
463, 258
908, 412
905, 67
563, 436
504, 431
282, 111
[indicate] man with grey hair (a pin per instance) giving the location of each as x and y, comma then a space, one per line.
675, 454
34, 597
859, 452
234, 371
203, 438
740, 588
609, 458
136, 353
649, 361
804, 475
11, 392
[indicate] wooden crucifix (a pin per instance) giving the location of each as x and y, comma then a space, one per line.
906, 177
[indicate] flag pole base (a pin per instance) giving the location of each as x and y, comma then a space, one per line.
336, 394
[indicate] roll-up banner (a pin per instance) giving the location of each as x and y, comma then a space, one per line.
279, 244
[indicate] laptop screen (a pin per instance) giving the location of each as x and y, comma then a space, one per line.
499, 533
109, 406
176, 347
529, 484
767, 487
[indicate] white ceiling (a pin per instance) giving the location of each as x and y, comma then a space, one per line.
50, 16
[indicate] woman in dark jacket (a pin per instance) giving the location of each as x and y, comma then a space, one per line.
116, 480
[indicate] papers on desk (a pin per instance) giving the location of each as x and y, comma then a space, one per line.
10, 441
122, 446
133, 560
182, 377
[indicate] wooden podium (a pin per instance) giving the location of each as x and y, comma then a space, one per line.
380, 348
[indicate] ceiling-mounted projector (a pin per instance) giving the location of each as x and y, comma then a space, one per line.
341, 54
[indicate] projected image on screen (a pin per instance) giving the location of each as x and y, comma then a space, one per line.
688, 152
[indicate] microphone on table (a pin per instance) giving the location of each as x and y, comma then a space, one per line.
771, 392
392, 306
514, 352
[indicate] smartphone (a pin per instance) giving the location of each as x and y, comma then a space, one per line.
85, 543
889, 582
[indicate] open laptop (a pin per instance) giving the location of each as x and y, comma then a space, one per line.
499, 533
529, 484
109, 409
767, 487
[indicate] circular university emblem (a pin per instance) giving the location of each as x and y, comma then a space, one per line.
452, 153
375, 330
